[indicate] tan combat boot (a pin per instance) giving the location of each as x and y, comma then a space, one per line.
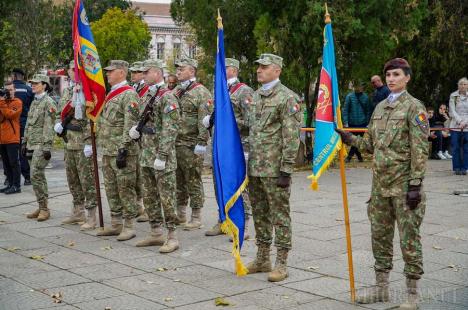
44, 213
195, 220
378, 292
262, 262
181, 215
90, 220
77, 215
280, 272
215, 230
142, 215
171, 244
114, 230
128, 231
411, 302
156, 237
33, 215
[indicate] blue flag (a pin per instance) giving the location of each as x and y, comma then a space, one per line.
228, 160
327, 142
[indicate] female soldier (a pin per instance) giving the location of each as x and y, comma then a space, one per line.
37, 141
397, 137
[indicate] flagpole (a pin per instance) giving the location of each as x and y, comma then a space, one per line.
345, 202
97, 183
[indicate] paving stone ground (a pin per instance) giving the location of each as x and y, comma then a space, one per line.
96, 272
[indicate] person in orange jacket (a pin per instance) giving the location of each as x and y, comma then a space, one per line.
10, 111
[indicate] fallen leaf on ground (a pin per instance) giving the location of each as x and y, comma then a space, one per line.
71, 243
176, 280
37, 257
107, 308
436, 247
150, 282
168, 299
285, 296
454, 267
57, 297
107, 248
3, 222
162, 269
13, 249
313, 267
219, 301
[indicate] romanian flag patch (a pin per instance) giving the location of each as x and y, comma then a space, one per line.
133, 106
170, 108
421, 120
295, 108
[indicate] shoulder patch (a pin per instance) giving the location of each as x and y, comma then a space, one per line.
422, 122
295, 108
209, 102
169, 108
133, 106
52, 110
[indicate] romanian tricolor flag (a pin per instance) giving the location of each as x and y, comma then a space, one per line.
228, 160
328, 114
88, 70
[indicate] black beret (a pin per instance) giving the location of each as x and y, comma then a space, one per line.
396, 63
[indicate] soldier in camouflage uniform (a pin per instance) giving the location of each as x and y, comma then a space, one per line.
38, 140
120, 152
275, 120
138, 83
397, 137
78, 152
158, 158
195, 103
241, 97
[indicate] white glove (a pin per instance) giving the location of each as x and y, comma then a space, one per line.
133, 133
206, 121
159, 164
58, 128
199, 149
88, 150
246, 156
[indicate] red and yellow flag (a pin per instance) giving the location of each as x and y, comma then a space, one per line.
88, 70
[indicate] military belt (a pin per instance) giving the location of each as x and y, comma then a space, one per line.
148, 130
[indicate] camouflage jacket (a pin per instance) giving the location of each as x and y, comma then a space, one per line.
241, 97
164, 123
275, 121
39, 132
397, 138
76, 139
120, 113
195, 104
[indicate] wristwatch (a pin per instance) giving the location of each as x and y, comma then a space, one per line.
415, 182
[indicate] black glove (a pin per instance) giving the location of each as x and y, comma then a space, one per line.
212, 120
346, 137
413, 197
121, 160
284, 180
46, 155
24, 150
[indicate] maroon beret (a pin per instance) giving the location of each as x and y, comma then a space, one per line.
396, 63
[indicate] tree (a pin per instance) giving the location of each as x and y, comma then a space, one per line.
95, 9
121, 35
438, 55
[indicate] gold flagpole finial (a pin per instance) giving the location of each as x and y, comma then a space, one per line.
220, 21
327, 15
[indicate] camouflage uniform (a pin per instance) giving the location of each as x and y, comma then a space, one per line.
397, 138
195, 104
158, 141
118, 116
274, 122
79, 168
241, 97
39, 136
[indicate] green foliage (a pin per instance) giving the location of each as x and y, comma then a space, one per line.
95, 9
121, 35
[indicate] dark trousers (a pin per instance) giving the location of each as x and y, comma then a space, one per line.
11, 165
25, 170
353, 150
440, 143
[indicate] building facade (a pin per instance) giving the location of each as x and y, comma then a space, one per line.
168, 40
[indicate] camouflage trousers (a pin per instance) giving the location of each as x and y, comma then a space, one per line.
159, 195
270, 209
80, 177
382, 213
189, 180
120, 186
38, 178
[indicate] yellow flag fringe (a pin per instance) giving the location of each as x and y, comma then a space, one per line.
229, 228
315, 177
